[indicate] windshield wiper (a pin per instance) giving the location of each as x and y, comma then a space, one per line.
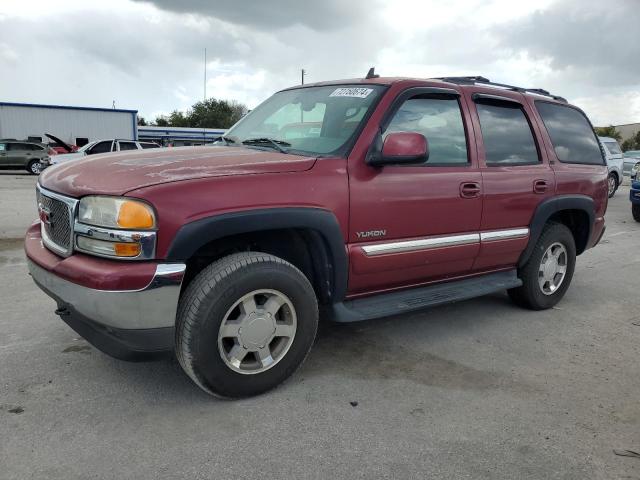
277, 144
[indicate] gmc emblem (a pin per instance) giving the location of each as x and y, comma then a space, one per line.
45, 215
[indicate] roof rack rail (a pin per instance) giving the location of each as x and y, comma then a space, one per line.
479, 80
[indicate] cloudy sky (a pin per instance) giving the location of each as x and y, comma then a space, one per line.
148, 55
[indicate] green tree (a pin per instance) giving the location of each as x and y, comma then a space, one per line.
213, 113
161, 121
609, 131
632, 143
141, 121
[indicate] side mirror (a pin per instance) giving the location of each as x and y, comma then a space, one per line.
401, 148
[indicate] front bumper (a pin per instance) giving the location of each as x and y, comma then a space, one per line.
126, 324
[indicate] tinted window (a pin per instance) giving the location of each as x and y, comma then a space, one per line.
571, 134
101, 147
149, 145
128, 146
19, 147
34, 139
81, 141
440, 121
507, 135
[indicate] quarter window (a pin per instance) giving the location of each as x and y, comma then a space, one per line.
506, 134
127, 146
573, 139
440, 121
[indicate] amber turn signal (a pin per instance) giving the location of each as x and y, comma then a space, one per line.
135, 215
126, 249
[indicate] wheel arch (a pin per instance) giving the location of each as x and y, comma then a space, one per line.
310, 238
577, 212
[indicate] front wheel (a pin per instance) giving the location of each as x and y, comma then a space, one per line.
548, 272
245, 323
635, 210
612, 184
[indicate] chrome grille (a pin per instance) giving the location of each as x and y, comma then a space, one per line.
56, 220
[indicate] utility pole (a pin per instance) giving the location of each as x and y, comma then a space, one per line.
302, 74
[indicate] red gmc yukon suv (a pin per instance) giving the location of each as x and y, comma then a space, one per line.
352, 199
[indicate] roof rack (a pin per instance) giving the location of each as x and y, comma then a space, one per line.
478, 80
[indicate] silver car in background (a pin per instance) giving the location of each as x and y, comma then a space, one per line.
631, 157
615, 162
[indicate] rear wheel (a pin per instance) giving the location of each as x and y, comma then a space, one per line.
34, 167
635, 210
548, 272
612, 183
245, 324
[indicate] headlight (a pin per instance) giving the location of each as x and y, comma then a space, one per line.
116, 227
116, 212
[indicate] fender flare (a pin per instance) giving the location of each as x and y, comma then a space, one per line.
547, 208
194, 235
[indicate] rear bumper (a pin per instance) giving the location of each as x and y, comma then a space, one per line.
126, 324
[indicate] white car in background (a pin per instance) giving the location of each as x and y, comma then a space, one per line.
102, 146
615, 162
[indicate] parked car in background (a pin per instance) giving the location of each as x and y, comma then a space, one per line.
31, 156
631, 157
103, 146
614, 158
60, 146
634, 196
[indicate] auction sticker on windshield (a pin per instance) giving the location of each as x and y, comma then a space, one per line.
357, 92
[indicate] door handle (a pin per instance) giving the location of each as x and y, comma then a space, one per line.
469, 189
540, 186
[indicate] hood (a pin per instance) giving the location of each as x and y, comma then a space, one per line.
65, 157
118, 173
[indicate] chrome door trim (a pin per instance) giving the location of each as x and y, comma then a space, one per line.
504, 234
421, 244
446, 241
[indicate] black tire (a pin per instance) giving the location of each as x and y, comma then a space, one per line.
612, 178
31, 167
209, 297
530, 294
635, 210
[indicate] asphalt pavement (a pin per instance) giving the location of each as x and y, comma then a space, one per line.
479, 389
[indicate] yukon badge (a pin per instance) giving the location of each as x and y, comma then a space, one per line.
372, 234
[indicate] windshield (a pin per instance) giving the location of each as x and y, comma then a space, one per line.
87, 146
311, 120
613, 147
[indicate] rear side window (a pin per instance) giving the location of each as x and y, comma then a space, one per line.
506, 134
128, 146
440, 121
573, 139
149, 145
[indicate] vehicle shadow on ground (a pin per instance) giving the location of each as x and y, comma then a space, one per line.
370, 350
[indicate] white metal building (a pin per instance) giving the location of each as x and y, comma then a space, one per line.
179, 136
76, 125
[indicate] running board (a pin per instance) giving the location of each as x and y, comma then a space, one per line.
387, 304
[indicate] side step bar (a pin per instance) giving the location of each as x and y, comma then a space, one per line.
384, 305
